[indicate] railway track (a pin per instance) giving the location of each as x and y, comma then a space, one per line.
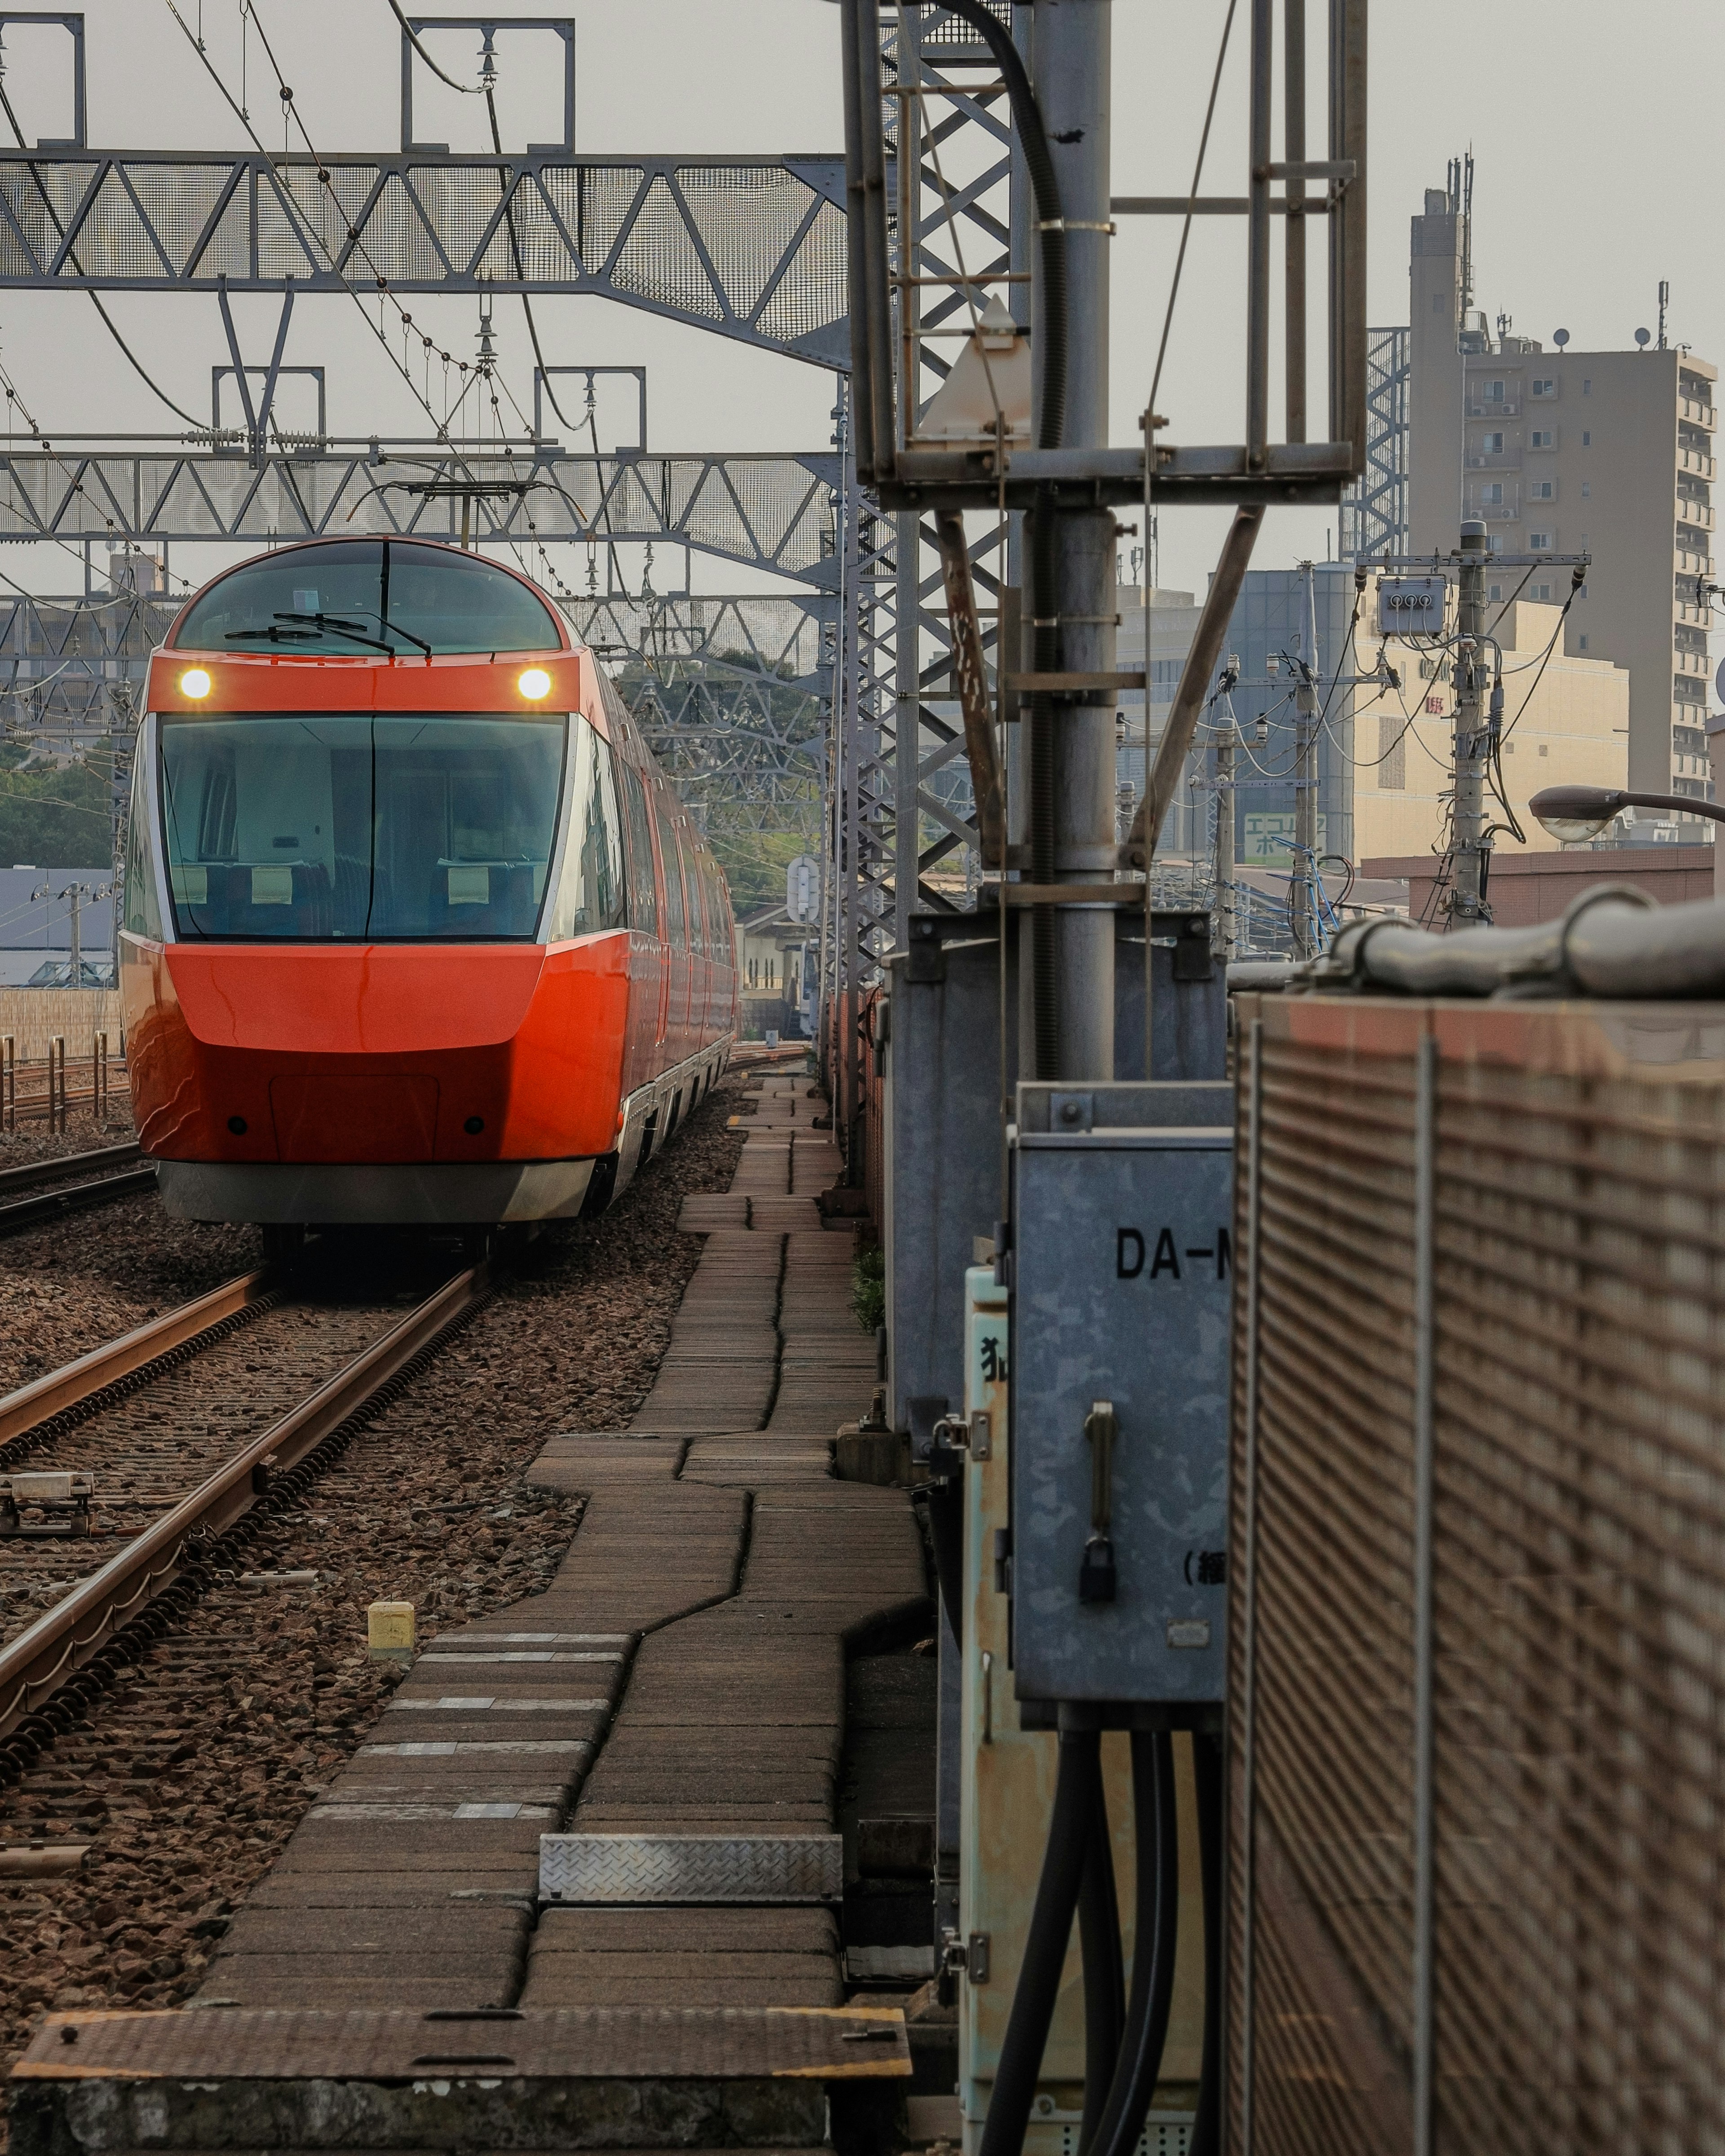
48, 1189
130, 1479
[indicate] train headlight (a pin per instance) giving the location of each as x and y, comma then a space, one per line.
534, 683
194, 682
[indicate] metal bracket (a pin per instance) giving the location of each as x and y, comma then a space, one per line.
589, 374
562, 26
73, 25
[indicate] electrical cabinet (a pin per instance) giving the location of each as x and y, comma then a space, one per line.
1120, 1287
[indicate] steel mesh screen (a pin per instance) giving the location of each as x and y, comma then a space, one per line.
1576, 1612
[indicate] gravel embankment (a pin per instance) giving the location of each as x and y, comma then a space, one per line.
69, 1285
193, 1773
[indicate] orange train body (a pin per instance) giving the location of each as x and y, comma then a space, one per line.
555, 984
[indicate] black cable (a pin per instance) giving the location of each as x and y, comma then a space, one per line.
1050, 224
514, 249
1104, 1976
1154, 1935
1207, 1774
94, 297
1039, 1984
466, 88
1050, 433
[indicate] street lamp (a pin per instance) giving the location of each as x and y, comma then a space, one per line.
1570, 813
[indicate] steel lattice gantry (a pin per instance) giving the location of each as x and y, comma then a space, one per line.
954, 192
751, 247
735, 693
772, 513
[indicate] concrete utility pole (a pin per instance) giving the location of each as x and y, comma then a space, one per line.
1467, 906
1071, 65
1303, 886
1225, 935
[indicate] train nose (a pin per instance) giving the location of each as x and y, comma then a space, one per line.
367, 1055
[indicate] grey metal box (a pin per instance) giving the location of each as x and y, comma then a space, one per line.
944, 1111
1123, 1204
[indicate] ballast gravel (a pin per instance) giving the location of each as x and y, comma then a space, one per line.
69, 1285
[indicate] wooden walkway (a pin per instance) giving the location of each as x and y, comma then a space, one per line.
683, 1675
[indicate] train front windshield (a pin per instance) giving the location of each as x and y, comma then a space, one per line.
398, 828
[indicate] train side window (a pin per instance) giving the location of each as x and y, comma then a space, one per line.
591, 895
143, 911
676, 932
643, 890
697, 905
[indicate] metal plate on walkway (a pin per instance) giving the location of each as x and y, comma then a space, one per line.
622, 1868
561, 2045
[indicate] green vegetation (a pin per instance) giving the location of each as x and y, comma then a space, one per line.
867, 1287
55, 818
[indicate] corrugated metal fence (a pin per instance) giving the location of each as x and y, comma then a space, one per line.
1477, 1698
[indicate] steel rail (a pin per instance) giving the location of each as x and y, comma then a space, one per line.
75, 1198
79, 1381
40, 1661
67, 1163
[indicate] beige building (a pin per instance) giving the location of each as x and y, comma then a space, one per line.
1573, 732
1173, 623
1604, 453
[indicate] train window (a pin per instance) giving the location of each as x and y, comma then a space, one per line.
590, 896
695, 896
143, 910
676, 934
356, 595
643, 887
393, 828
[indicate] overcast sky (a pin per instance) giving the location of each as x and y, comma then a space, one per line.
1590, 188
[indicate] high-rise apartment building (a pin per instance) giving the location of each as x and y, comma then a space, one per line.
1609, 454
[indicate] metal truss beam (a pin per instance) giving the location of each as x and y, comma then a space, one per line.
1374, 507
954, 193
752, 248
772, 513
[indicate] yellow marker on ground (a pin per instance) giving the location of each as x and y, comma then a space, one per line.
389, 1632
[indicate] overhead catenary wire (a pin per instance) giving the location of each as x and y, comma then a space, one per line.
112, 327
1167, 320
325, 179
466, 88
515, 245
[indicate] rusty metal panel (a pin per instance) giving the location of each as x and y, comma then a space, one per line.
574, 2043
1478, 1593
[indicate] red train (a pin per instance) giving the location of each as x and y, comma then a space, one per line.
416, 932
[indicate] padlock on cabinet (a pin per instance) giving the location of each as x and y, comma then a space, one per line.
1097, 1579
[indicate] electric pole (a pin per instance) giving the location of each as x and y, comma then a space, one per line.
76, 892
1467, 906
1302, 891
1223, 928
1071, 65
